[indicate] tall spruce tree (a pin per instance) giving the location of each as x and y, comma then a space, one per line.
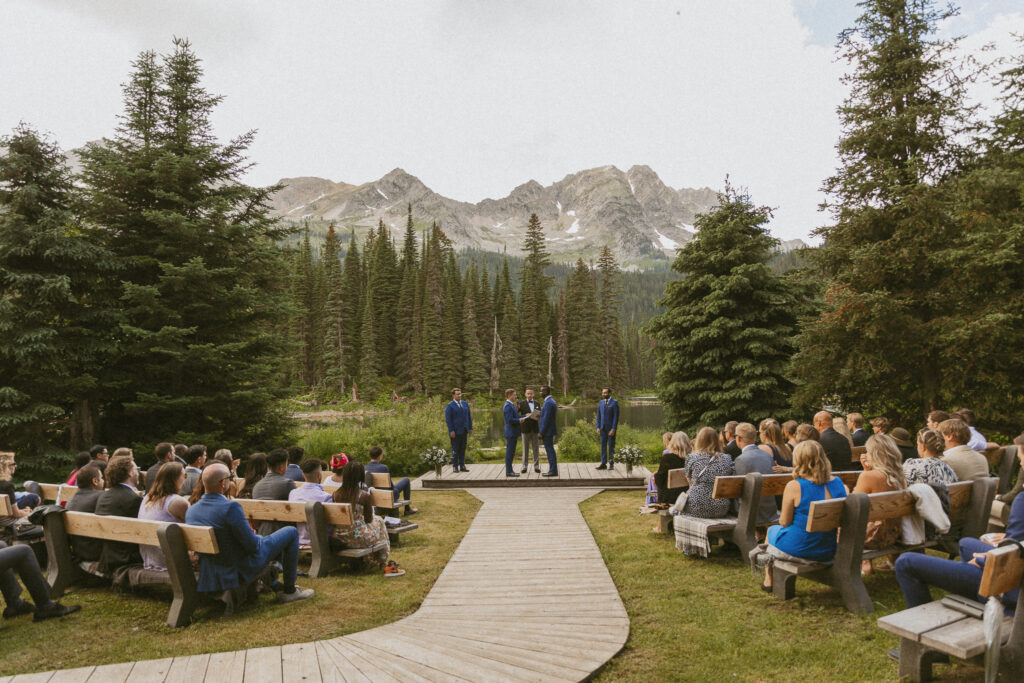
452, 338
726, 334
386, 279
352, 307
333, 385
309, 322
613, 352
533, 297
54, 315
475, 368
432, 315
886, 333
200, 267
510, 367
562, 344
369, 361
583, 321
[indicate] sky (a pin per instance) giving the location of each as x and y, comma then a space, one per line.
475, 97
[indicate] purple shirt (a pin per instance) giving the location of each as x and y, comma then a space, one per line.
308, 492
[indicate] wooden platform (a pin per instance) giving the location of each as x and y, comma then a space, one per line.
580, 474
525, 597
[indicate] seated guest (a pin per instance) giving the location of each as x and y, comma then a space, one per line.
855, 423
338, 462
789, 433
242, 554
774, 443
195, 459
839, 424
916, 572
905, 446
81, 460
309, 492
255, 470
789, 539
968, 463
294, 471
274, 486
163, 503
977, 441
936, 417
702, 466
929, 468
806, 432
729, 437
837, 446
164, 453
98, 456
1019, 486
90, 488
401, 488
883, 471
367, 531
678, 449
753, 459
24, 500
21, 559
16, 524
880, 425
121, 500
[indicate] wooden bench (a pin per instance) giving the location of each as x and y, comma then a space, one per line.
175, 540
929, 631
382, 480
58, 493
969, 504
856, 452
1009, 467
6, 509
381, 502
320, 516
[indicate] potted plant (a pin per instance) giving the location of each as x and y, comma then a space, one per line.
436, 457
629, 454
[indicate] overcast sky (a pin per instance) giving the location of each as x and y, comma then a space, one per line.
475, 97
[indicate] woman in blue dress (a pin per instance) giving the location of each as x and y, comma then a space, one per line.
789, 539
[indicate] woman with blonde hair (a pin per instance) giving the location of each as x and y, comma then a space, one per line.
883, 471
702, 466
789, 539
789, 432
672, 459
840, 426
774, 443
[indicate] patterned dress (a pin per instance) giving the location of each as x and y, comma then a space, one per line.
928, 471
365, 535
701, 470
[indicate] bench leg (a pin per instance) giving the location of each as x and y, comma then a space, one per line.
783, 584
853, 591
322, 561
183, 581
664, 524
916, 660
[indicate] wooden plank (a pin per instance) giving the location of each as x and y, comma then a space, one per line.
1004, 571
338, 514
332, 668
112, 673
727, 487
150, 671
299, 662
42, 677
448, 660
890, 505
963, 639
959, 500
677, 478
79, 675
380, 480
825, 515
274, 510
263, 665
188, 669
911, 623
378, 665
382, 498
58, 492
125, 529
5, 507
856, 452
226, 667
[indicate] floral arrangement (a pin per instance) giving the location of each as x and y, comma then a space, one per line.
629, 454
435, 456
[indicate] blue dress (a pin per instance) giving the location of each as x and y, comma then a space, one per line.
795, 540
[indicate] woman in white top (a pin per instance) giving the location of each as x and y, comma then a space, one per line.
163, 504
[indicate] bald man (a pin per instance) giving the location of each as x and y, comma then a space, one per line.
243, 554
837, 446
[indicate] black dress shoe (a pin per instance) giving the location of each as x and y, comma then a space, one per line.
523, 470
511, 474
55, 610
550, 474
464, 469
535, 469
18, 608
600, 467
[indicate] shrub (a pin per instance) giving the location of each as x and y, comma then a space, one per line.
579, 442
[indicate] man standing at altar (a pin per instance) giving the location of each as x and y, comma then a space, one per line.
528, 409
607, 422
513, 428
549, 429
460, 428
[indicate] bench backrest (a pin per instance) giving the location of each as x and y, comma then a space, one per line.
1004, 571
380, 480
1009, 466
677, 478
142, 531
825, 515
771, 484
5, 507
856, 452
337, 514
58, 493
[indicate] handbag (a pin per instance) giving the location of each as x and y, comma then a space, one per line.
680, 506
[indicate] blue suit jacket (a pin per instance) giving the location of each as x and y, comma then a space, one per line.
607, 414
548, 414
458, 418
240, 557
510, 412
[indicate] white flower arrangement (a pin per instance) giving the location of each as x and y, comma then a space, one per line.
630, 455
435, 456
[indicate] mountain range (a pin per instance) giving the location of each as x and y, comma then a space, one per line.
634, 212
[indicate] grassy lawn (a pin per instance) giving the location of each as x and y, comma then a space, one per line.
115, 628
694, 619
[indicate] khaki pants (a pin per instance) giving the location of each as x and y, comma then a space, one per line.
531, 441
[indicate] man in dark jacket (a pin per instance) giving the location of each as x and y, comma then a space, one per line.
90, 488
274, 486
531, 431
855, 422
164, 453
122, 499
729, 437
837, 446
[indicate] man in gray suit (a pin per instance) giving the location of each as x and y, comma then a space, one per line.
753, 459
531, 431
274, 486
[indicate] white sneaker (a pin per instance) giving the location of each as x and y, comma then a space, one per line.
299, 594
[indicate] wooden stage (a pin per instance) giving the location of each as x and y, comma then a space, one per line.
580, 474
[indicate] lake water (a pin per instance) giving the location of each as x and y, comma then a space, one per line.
643, 415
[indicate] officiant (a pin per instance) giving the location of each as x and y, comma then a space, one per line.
528, 407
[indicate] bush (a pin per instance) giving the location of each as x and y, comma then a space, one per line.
579, 443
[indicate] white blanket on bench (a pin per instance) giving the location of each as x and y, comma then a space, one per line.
929, 508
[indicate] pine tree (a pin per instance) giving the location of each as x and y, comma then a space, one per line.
386, 280
485, 310
562, 345
369, 361
201, 267
334, 319
533, 296
614, 355
452, 338
726, 334
476, 370
432, 315
54, 315
307, 295
405, 370
583, 320
882, 341
510, 367
352, 308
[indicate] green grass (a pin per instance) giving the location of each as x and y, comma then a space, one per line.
115, 628
694, 619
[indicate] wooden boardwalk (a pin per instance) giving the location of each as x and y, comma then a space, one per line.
569, 474
525, 597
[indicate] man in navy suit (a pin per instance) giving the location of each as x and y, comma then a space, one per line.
855, 423
549, 429
607, 422
460, 428
243, 554
513, 428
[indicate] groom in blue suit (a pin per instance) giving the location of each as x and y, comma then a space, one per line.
607, 423
513, 428
460, 428
549, 429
